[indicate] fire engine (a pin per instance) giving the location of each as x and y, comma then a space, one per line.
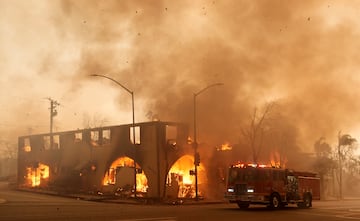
273, 186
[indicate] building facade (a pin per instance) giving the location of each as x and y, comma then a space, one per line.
101, 160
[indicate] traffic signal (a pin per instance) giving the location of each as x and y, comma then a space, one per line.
197, 159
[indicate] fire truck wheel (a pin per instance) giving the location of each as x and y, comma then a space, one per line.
242, 205
275, 201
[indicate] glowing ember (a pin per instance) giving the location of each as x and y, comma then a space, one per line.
27, 148
35, 175
224, 147
121, 172
189, 140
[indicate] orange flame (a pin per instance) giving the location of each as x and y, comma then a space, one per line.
276, 160
125, 162
35, 175
183, 169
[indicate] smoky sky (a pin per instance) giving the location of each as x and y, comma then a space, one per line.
303, 55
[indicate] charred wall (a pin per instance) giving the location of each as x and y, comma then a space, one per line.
77, 161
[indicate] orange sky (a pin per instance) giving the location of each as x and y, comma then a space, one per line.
303, 54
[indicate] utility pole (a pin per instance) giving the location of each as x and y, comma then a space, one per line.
53, 113
195, 143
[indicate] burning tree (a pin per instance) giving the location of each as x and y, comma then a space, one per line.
282, 140
257, 129
272, 134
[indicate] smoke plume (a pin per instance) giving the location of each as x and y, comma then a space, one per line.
302, 55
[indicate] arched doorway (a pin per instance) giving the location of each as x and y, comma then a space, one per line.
181, 179
37, 175
120, 177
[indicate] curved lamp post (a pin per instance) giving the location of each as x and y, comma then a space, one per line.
133, 118
195, 144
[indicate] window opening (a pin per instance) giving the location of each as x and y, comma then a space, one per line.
78, 136
106, 136
46, 140
56, 142
94, 137
137, 135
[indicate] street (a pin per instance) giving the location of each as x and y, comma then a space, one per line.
19, 205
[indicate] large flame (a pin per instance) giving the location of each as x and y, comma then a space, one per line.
183, 170
276, 160
125, 162
35, 175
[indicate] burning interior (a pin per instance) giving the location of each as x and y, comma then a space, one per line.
181, 177
120, 175
37, 175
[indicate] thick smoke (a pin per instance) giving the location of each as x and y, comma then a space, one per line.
303, 55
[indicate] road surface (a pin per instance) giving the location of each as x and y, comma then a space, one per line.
18, 205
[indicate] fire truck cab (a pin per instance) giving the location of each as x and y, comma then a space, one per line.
259, 184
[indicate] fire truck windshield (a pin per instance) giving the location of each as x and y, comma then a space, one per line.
245, 174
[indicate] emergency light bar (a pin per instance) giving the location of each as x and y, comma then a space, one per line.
253, 165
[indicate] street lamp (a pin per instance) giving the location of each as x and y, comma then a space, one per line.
133, 119
195, 144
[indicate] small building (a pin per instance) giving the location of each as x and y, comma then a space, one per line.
101, 160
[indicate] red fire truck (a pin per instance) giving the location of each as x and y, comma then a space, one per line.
276, 187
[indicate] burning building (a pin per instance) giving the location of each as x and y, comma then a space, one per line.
108, 160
